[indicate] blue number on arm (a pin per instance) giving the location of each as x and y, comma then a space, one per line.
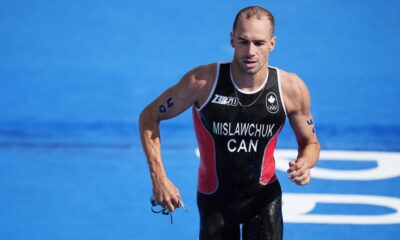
164, 109
170, 103
311, 122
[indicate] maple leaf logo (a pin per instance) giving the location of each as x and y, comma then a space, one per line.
271, 99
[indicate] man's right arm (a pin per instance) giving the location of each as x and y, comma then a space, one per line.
191, 89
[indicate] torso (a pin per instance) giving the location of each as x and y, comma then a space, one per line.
237, 134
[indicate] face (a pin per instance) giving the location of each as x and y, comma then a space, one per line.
252, 41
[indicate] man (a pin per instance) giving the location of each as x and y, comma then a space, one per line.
239, 108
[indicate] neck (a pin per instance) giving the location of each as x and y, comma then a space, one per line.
248, 81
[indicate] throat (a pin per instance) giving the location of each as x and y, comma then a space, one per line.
248, 83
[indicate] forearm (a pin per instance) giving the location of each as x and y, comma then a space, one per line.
309, 152
150, 137
164, 191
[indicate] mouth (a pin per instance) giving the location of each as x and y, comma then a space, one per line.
250, 63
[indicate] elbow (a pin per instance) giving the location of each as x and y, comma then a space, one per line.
146, 118
143, 118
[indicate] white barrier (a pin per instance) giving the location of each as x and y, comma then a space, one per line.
297, 208
387, 165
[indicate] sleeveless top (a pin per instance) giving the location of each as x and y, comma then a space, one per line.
237, 133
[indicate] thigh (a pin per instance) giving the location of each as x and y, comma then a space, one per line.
216, 226
266, 224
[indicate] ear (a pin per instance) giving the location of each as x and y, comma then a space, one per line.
272, 43
233, 45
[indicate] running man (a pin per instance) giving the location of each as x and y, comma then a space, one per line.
239, 108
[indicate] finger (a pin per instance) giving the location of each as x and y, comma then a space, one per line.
292, 175
295, 174
158, 200
292, 165
303, 180
298, 173
302, 163
176, 201
299, 179
169, 205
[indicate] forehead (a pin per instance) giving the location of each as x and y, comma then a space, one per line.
253, 27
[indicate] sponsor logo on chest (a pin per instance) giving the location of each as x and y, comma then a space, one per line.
223, 100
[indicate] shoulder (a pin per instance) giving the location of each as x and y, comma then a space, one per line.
295, 91
292, 84
198, 82
201, 75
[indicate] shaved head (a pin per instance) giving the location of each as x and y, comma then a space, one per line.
254, 11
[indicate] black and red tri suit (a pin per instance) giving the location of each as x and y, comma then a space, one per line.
237, 133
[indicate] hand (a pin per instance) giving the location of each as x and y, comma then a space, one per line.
166, 194
299, 172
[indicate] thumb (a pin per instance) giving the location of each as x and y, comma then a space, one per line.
292, 165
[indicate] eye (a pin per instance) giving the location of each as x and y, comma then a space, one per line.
259, 43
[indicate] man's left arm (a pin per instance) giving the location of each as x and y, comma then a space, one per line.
303, 126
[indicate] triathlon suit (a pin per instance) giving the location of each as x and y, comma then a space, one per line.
236, 133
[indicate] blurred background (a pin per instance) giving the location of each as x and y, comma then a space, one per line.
74, 76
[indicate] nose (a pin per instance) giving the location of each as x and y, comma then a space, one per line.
251, 49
